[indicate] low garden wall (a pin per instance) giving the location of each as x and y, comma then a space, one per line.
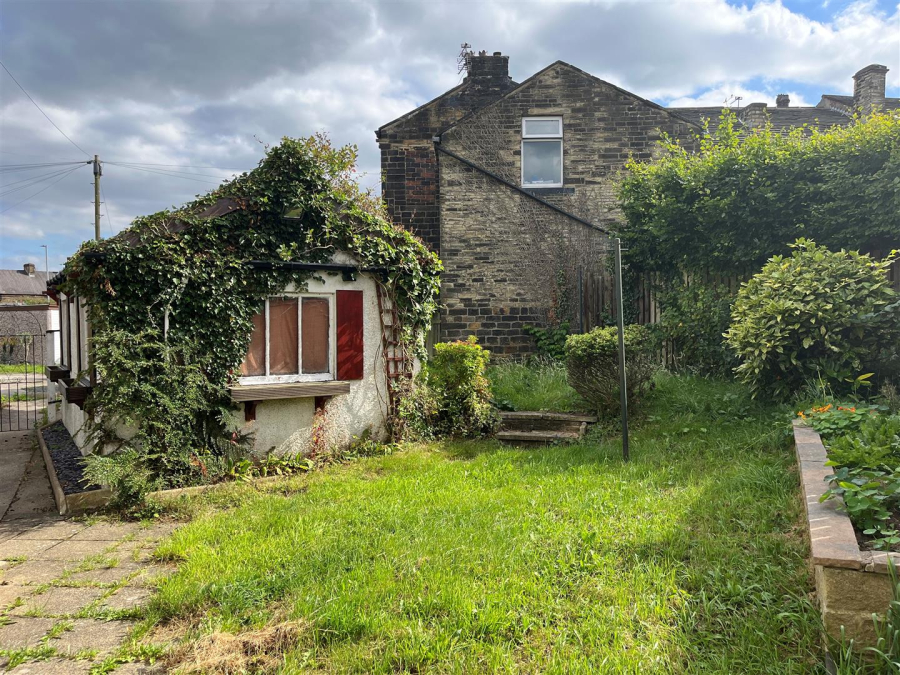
851, 583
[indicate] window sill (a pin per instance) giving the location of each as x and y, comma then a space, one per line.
266, 392
549, 190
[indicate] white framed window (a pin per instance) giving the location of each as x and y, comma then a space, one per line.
293, 340
542, 152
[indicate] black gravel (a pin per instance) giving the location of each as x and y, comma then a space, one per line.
67, 459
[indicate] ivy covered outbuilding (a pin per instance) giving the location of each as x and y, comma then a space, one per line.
275, 313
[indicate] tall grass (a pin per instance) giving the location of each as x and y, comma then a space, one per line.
539, 384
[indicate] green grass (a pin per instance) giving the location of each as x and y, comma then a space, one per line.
14, 368
536, 386
474, 557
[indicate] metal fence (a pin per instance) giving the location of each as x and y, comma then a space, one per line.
23, 384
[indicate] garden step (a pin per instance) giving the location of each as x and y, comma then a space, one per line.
538, 437
545, 421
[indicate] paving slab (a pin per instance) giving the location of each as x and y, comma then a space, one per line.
16, 449
25, 631
106, 532
60, 529
68, 550
34, 572
103, 637
60, 601
24, 548
151, 574
52, 667
10, 592
127, 598
104, 575
34, 496
139, 668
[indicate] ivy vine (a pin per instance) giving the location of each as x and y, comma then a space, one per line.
187, 269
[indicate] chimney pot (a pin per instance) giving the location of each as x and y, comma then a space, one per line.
868, 88
28, 268
498, 54
782, 101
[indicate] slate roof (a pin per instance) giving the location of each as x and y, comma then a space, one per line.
782, 119
16, 282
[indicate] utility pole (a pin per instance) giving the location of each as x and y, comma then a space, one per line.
97, 173
46, 260
623, 384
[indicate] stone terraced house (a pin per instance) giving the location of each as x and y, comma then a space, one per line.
513, 184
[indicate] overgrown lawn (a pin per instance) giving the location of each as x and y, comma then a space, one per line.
540, 385
474, 557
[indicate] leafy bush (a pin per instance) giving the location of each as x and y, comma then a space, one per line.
592, 361
877, 444
550, 342
870, 498
833, 420
694, 317
452, 397
742, 197
816, 313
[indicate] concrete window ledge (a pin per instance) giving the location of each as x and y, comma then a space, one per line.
266, 392
851, 584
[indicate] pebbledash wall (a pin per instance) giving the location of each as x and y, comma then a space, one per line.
284, 425
486, 245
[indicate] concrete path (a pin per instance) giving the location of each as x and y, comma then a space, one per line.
71, 591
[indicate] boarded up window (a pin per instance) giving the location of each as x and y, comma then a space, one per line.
315, 335
255, 360
283, 333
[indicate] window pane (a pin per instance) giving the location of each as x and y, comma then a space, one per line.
315, 335
542, 127
283, 359
255, 360
542, 162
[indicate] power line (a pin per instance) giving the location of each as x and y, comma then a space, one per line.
18, 168
106, 206
168, 171
185, 166
34, 180
39, 108
47, 187
160, 173
51, 173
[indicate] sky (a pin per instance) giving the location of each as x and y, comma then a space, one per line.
176, 96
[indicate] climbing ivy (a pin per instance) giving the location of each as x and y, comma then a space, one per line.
186, 270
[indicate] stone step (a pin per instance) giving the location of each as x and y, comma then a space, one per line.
545, 421
538, 437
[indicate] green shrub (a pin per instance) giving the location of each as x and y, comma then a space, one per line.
694, 317
452, 397
550, 342
592, 361
814, 314
876, 444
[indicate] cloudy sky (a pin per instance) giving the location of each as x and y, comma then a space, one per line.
177, 95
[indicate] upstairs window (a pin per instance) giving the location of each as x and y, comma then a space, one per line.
542, 152
292, 341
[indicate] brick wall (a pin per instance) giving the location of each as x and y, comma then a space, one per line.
505, 255
408, 164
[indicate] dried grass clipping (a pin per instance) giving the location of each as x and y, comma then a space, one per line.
255, 651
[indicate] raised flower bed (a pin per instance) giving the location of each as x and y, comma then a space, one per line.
852, 583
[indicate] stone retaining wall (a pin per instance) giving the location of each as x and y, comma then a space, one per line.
851, 583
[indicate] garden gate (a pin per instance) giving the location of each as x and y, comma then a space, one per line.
23, 384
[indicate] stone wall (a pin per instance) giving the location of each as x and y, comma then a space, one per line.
511, 262
408, 163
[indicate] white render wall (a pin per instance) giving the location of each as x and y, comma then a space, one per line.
285, 425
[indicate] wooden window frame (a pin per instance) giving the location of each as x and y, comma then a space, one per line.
542, 138
332, 344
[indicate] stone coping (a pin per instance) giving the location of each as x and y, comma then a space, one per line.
96, 499
831, 535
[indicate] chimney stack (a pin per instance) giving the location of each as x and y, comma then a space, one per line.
782, 101
755, 115
28, 268
868, 88
489, 72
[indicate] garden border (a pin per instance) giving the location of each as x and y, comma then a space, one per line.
851, 584
96, 499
